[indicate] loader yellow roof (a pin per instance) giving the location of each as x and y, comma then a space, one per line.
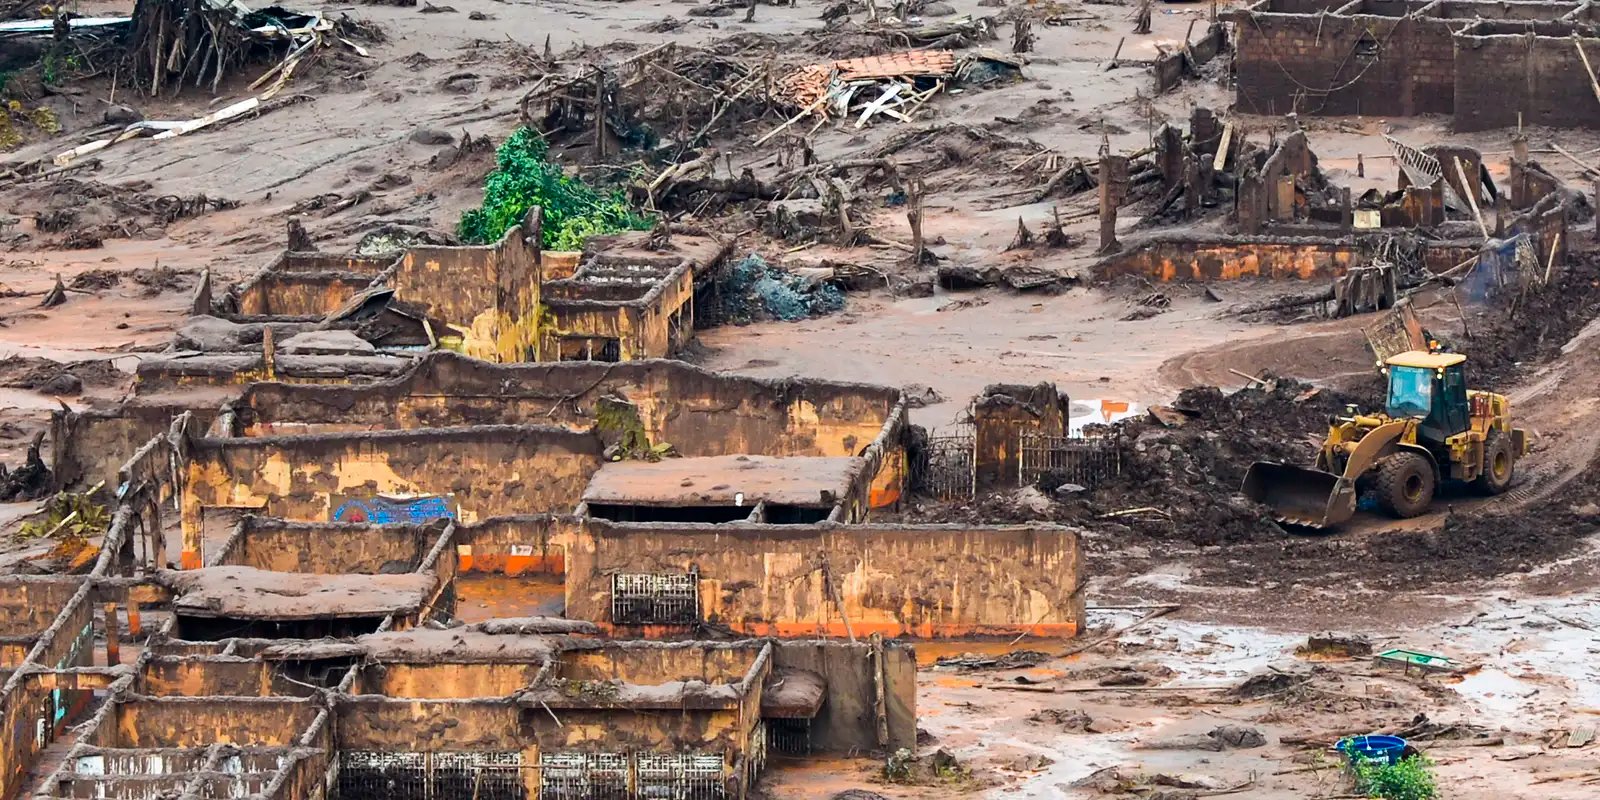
1425, 360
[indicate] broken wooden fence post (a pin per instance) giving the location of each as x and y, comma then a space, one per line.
1113, 183
599, 113
1021, 36
1118, 52
914, 216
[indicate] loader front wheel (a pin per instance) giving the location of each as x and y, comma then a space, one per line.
1404, 484
1499, 464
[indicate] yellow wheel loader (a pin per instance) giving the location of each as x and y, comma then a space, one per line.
1433, 429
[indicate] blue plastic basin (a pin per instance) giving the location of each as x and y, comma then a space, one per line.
1375, 747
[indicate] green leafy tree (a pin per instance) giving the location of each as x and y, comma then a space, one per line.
523, 177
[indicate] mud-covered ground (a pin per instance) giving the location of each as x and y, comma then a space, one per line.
1505, 585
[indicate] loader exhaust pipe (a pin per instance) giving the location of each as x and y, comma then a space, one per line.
1301, 496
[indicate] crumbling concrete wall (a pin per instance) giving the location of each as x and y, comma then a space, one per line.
477, 472
87, 447
1274, 190
447, 681
655, 325
1169, 258
299, 294
232, 676
489, 295
28, 606
837, 580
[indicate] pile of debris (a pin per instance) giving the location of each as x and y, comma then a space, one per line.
895, 85
1182, 465
753, 290
81, 214
668, 95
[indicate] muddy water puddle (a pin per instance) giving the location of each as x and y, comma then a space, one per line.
482, 596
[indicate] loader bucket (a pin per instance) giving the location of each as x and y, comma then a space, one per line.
1300, 496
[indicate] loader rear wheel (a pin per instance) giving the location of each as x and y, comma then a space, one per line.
1405, 484
1499, 464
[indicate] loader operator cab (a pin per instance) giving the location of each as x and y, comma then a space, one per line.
1431, 388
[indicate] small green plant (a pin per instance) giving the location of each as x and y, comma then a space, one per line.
1406, 779
523, 177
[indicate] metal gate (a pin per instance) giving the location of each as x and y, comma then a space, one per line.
669, 599
951, 470
1085, 461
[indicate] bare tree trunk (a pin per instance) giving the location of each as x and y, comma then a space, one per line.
914, 216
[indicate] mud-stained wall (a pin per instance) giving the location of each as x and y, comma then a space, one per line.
87, 447
489, 295
699, 412
919, 581
299, 294
1505, 74
643, 328
283, 546
27, 607
656, 664
176, 375
169, 676
1362, 63
848, 721
447, 681
1000, 416
201, 721
368, 723
1174, 259
477, 472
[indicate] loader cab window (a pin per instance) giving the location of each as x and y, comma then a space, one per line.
1410, 391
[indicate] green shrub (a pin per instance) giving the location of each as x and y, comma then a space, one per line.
1407, 779
524, 178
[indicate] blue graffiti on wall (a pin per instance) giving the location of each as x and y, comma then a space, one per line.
388, 510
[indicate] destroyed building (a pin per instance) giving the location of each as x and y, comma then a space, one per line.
506, 302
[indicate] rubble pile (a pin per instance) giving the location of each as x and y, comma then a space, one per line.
753, 290
1190, 467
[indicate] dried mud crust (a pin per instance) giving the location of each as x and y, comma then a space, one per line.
38, 374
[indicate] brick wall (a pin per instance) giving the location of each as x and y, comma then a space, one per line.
1542, 77
1334, 65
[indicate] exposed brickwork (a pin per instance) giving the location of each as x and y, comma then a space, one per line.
1403, 58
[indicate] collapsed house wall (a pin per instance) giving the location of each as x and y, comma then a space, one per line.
305, 284
700, 413
201, 721
585, 327
285, 546
464, 473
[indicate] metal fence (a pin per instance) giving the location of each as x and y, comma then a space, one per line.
645, 599
426, 776
951, 470
1085, 461
641, 776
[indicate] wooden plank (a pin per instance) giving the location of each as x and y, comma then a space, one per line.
1222, 147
